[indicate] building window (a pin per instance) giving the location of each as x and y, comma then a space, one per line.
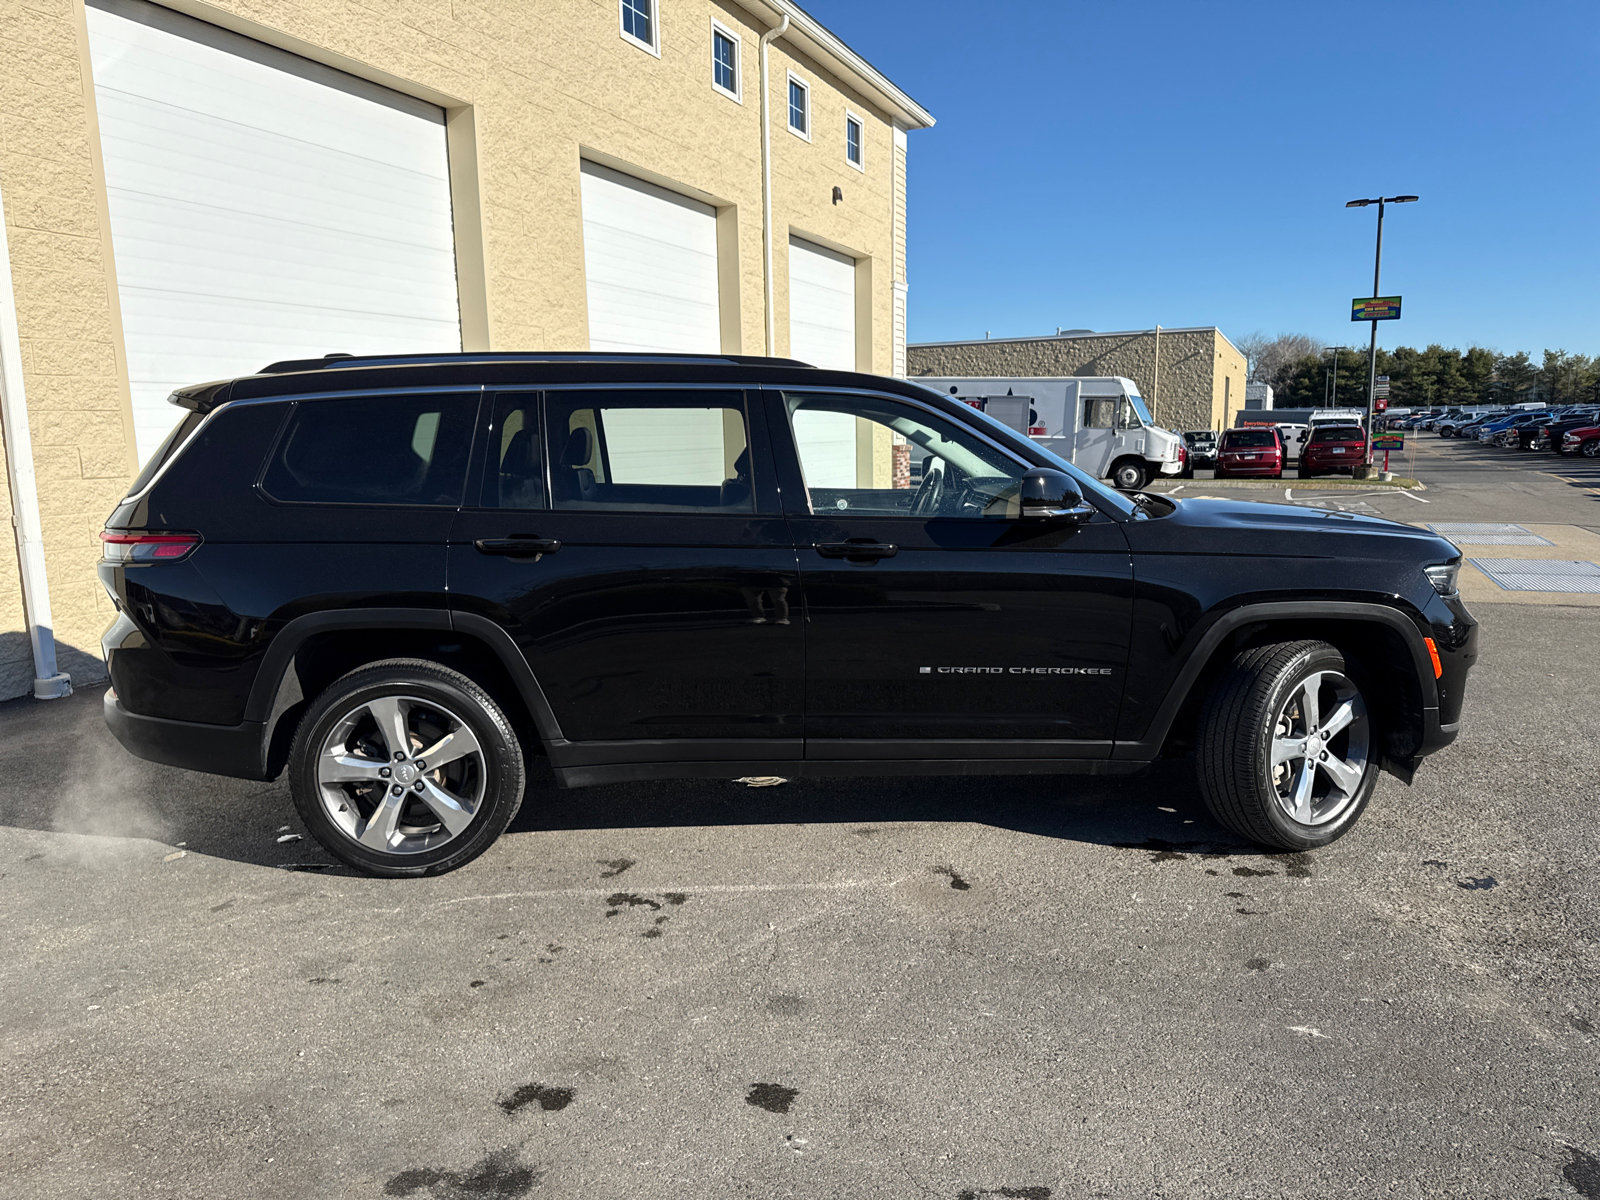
725, 61
639, 24
853, 152
799, 106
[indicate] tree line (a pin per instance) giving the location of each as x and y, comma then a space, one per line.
1302, 370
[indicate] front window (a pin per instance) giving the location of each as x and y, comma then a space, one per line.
724, 61
874, 456
852, 140
1137, 401
800, 107
639, 22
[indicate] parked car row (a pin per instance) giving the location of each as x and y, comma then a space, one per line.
1565, 430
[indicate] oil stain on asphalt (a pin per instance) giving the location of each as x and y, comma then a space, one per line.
1010, 1193
956, 882
551, 1099
500, 1175
773, 1097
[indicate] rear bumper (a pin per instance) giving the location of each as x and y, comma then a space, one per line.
1251, 469
234, 750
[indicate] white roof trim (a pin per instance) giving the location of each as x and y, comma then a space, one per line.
810, 35
1067, 337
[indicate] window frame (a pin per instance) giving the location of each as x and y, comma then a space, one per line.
851, 118
737, 94
654, 45
788, 107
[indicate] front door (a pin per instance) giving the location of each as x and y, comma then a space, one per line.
938, 622
630, 540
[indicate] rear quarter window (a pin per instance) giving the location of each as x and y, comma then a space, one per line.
175, 441
404, 450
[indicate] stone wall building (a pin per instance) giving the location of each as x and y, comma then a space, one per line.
195, 189
1200, 385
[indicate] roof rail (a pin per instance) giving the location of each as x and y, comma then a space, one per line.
346, 361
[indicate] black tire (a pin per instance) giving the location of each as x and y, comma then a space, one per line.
1129, 474
481, 787
1253, 706
1590, 448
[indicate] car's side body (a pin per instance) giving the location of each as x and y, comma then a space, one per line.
773, 640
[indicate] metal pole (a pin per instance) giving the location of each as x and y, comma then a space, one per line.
1155, 391
766, 185
1334, 401
1372, 354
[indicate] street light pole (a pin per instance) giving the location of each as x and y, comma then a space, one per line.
1377, 270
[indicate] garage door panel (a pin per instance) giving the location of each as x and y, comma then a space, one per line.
262, 207
822, 306
650, 267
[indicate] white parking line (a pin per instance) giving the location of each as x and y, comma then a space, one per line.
1418, 499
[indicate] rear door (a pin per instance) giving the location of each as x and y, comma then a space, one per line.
938, 623
630, 541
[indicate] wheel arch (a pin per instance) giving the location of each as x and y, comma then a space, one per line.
313, 650
1383, 643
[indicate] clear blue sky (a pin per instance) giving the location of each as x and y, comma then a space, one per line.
1114, 166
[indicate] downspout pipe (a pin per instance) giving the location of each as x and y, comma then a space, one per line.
777, 31
48, 683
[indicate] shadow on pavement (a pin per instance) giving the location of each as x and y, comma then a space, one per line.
66, 774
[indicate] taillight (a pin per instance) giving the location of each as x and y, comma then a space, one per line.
147, 547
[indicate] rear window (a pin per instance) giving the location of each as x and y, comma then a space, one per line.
1338, 433
175, 440
1235, 439
375, 450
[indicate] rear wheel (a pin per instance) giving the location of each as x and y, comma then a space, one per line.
1287, 752
405, 767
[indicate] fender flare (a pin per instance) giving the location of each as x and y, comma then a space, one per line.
1155, 736
286, 644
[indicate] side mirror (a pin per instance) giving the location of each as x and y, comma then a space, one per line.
1053, 496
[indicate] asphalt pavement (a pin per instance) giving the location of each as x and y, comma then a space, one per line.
954, 988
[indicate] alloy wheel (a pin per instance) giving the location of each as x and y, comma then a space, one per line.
401, 775
1320, 745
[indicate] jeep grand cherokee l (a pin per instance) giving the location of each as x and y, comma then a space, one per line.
396, 579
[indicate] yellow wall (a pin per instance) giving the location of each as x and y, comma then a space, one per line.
530, 90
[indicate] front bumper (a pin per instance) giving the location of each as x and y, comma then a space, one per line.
235, 750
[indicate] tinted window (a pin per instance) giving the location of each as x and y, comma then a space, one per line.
1234, 439
643, 451
1338, 433
375, 450
179, 435
870, 455
514, 477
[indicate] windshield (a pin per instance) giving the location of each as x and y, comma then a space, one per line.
1138, 406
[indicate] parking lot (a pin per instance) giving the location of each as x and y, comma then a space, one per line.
1015, 987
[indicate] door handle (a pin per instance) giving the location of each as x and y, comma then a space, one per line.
518, 546
857, 550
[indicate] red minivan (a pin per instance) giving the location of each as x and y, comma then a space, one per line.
1255, 451
1333, 448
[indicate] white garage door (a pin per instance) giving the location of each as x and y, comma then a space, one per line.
650, 261
822, 306
262, 207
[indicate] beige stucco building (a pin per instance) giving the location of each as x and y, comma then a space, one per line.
565, 174
1200, 384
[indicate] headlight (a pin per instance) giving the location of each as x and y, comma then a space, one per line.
1443, 578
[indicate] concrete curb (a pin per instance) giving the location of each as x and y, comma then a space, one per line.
1302, 485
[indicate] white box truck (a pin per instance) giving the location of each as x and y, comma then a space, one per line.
1098, 423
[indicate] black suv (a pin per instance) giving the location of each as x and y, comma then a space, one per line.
398, 577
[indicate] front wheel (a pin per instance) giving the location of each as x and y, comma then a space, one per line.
405, 767
1287, 750
1590, 448
1129, 475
